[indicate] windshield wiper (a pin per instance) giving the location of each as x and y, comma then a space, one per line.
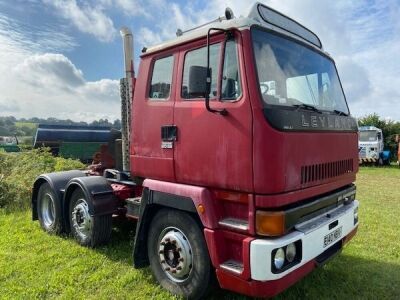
307, 106
340, 113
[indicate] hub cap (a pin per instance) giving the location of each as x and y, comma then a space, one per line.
81, 219
48, 210
175, 254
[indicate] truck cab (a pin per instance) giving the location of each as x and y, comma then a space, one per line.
371, 146
242, 159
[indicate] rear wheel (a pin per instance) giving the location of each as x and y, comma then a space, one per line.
87, 230
178, 254
49, 210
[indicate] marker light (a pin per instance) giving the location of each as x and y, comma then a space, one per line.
270, 223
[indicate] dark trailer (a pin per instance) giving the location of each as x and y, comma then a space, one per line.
69, 141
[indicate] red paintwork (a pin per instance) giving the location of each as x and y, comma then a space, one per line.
262, 288
279, 156
199, 195
231, 164
212, 150
147, 158
101, 160
122, 191
238, 152
226, 245
218, 204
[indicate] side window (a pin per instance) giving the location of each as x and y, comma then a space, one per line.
161, 79
230, 88
198, 57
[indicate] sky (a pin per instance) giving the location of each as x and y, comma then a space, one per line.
63, 58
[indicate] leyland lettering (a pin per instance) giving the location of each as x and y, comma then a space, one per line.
327, 122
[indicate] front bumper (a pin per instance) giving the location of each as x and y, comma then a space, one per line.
263, 282
310, 233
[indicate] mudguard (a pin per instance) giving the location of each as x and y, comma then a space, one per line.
151, 202
98, 192
57, 181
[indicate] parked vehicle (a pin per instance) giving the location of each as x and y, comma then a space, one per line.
239, 157
9, 144
371, 146
72, 141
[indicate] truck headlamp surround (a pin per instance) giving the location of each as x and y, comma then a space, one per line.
286, 257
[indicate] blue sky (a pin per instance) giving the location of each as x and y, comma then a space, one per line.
63, 59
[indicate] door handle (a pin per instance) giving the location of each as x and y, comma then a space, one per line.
169, 133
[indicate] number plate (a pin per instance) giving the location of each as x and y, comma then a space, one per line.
333, 236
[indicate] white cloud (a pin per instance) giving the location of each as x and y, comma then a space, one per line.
88, 19
42, 84
363, 37
49, 70
146, 36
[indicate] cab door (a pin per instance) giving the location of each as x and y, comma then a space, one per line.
153, 106
214, 150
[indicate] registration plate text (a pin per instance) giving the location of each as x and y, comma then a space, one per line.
332, 236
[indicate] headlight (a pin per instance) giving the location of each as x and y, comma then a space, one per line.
286, 257
290, 252
279, 258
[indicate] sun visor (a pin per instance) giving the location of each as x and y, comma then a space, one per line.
281, 21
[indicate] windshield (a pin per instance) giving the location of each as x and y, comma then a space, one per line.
368, 136
290, 74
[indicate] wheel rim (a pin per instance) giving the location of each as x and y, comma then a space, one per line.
175, 254
81, 219
48, 210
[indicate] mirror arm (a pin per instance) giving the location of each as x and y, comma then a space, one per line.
223, 111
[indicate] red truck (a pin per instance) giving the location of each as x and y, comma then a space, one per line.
239, 156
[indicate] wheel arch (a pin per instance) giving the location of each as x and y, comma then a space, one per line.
98, 192
157, 195
57, 182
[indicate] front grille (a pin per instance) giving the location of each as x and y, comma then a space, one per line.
320, 172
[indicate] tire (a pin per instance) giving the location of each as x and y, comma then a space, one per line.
87, 230
49, 210
189, 253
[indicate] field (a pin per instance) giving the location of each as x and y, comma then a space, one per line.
35, 265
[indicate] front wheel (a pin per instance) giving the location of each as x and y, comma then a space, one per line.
87, 230
178, 254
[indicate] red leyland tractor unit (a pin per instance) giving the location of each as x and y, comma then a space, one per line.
238, 160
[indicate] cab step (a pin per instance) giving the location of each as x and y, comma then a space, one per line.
133, 207
232, 266
235, 224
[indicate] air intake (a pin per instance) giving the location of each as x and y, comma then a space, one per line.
321, 172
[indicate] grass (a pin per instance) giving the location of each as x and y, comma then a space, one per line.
36, 265
26, 124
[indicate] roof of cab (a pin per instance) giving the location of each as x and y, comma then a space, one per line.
239, 23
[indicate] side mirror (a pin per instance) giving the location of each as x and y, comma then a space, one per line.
197, 86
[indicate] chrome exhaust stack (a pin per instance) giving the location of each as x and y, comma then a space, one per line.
126, 91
